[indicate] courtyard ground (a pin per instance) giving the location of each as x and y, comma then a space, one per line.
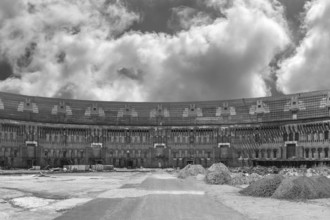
151, 195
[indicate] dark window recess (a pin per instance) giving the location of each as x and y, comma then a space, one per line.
326, 152
62, 107
306, 153
94, 109
275, 153
291, 137
259, 106
257, 138
27, 104
294, 103
285, 137
268, 153
296, 137
257, 153
326, 135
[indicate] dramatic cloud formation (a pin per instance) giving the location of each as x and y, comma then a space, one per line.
83, 49
308, 69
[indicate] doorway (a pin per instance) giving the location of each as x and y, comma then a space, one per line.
290, 150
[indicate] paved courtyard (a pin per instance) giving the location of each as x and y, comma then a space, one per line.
128, 195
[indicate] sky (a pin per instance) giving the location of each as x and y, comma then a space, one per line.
164, 50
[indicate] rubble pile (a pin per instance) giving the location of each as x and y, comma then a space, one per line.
260, 170
219, 177
191, 170
218, 173
264, 187
244, 178
218, 167
317, 171
303, 187
292, 172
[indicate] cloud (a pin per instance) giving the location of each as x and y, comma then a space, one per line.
308, 68
82, 49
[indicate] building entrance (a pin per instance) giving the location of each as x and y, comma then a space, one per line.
290, 150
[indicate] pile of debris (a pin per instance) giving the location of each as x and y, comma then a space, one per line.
264, 187
303, 187
218, 173
291, 188
191, 170
260, 170
244, 178
293, 172
317, 171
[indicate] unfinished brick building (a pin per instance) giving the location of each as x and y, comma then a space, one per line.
284, 130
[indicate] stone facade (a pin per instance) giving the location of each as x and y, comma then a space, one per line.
53, 132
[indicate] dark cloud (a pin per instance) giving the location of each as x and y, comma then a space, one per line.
151, 50
159, 15
294, 10
6, 70
131, 73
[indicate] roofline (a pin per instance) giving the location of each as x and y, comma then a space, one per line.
317, 92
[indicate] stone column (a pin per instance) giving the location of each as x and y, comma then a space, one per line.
170, 159
272, 153
316, 154
322, 153
284, 152
300, 152
279, 153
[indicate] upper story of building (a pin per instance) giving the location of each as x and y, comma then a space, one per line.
286, 108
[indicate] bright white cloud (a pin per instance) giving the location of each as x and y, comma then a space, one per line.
79, 49
308, 69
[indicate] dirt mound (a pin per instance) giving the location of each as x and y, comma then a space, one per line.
218, 167
302, 187
264, 187
218, 173
217, 177
191, 170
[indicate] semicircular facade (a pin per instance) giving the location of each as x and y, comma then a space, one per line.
282, 130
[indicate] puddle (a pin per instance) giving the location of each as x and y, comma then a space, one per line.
30, 202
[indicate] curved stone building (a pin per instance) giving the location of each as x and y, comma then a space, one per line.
286, 130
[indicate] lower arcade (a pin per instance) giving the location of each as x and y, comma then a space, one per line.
27, 144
